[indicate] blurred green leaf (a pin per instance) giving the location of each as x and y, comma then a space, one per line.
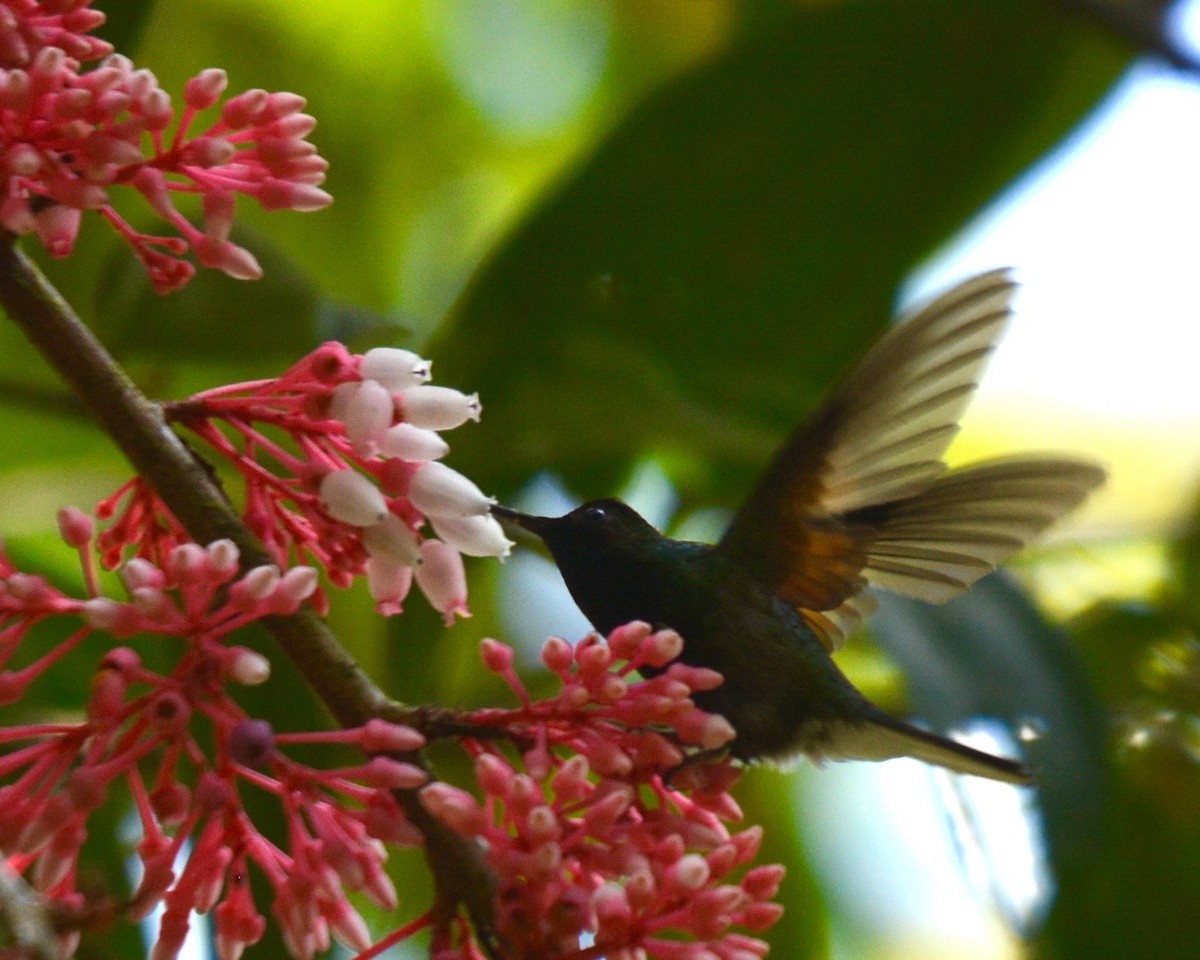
738, 239
125, 23
214, 317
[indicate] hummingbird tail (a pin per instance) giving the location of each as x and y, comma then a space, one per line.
884, 738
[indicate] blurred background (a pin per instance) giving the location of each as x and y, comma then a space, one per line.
650, 233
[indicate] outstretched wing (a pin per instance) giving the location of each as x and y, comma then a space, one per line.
860, 493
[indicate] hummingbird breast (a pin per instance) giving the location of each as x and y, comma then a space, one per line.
780, 685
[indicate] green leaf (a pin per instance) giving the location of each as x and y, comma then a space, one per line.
214, 317
125, 23
731, 246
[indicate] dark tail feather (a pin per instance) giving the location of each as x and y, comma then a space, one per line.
884, 738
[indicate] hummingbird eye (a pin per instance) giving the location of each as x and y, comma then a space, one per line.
596, 512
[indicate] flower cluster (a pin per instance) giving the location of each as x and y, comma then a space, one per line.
69, 137
606, 841
142, 731
353, 492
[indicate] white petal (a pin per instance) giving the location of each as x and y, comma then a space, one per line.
438, 491
350, 497
477, 536
396, 369
442, 579
393, 539
412, 443
438, 408
368, 413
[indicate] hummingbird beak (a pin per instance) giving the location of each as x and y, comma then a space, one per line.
525, 521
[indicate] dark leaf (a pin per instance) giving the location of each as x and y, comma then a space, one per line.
732, 245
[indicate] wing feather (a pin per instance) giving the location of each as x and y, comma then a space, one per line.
860, 493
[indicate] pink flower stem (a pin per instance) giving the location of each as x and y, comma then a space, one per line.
137, 427
396, 936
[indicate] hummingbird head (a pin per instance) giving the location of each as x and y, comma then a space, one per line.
597, 527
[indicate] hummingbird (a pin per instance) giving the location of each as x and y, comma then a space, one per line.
858, 497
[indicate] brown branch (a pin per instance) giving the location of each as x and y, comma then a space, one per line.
137, 427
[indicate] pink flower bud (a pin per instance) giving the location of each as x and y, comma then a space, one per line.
497, 656
102, 613
407, 442
223, 559
557, 655
242, 110
101, 148
493, 774
294, 587
388, 583
139, 573
380, 736
57, 226
606, 811
22, 160
348, 925
389, 774
541, 824
394, 540
443, 580
394, 368
281, 104
438, 491
348, 496
477, 536
219, 209
611, 905
289, 195
204, 89
570, 782
229, 258
690, 872
454, 807
762, 883
247, 667
153, 604
662, 647
438, 408
187, 563
75, 527
255, 587
156, 109
208, 152
709, 730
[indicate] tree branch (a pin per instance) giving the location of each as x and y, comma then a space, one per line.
137, 427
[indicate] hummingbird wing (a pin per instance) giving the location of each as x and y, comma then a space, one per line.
860, 493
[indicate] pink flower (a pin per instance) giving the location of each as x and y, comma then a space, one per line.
345, 493
70, 137
148, 733
583, 830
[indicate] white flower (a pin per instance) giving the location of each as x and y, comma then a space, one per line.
438, 408
396, 369
442, 579
477, 536
392, 539
388, 581
412, 443
366, 409
438, 491
348, 496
